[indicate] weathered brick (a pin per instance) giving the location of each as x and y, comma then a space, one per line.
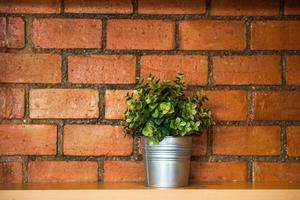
64, 103
212, 35
292, 7
115, 103
12, 34
30, 68
230, 105
123, 171
269, 105
12, 103
96, 6
11, 172
140, 34
102, 69
62, 171
27, 139
293, 70
166, 67
171, 7
67, 33
199, 144
218, 171
245, 70
277, 172
293, 140
244, 8
275, 35
246, 140
29, 6
95, 140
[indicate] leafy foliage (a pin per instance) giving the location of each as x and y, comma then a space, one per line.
160, 109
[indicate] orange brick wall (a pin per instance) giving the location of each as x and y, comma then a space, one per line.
66, 65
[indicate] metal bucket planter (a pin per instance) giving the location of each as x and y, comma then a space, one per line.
167, 164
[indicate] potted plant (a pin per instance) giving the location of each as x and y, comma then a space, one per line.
166, 118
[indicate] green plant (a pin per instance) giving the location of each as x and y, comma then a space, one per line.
160, 109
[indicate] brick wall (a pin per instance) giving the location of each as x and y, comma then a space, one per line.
65, 67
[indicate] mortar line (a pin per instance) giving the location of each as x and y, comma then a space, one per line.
96, 51
283, 142
281, 8
250, 107
138, 66
101, 104
117, 122
207, 8
28, 33
62, 7
60, 138
250, 171
210, 71
25, 169
135, 147
209, 142
207, 158
248, 22
206, 16
283, 69
103, 34
101, 170
135, 7
27, 105
132, 86
212, 158
64, 67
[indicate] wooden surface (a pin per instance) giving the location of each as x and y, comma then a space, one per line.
137, 191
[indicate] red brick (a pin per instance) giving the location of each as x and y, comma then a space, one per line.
95, 140
64, 103
166, 67
244, 8
11, 172
246, 140
171, 7
292, 7
293, 140
123, 171
272, 35
140, 34
212, 35
12, 34
102, 69
62, 171
227, 105
29, 6
30, 68
277, 172
27, 139
245, 70
12, 103
218, 171
199, 144
293, 70
67, 33
96, 6
115, 103
276, 105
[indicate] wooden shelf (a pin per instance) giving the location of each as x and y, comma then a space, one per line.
137, 191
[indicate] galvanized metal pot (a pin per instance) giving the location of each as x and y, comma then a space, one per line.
167, 164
